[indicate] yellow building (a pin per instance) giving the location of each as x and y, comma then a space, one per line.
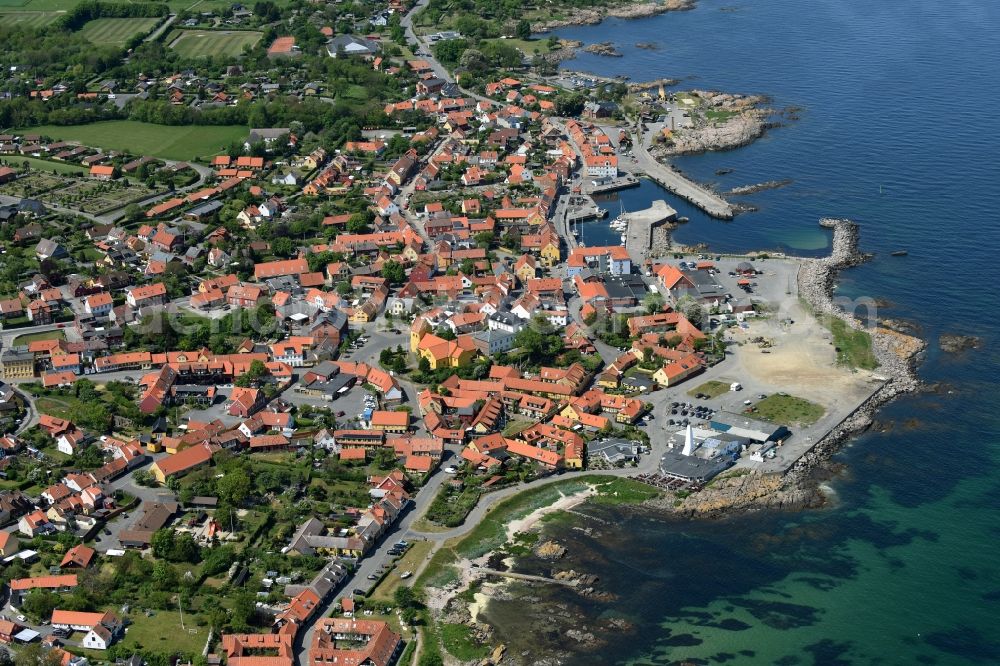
441, 353
418, 329
18, 363
550, 254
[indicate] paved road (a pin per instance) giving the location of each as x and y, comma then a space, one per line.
153, 36
424, 51
700, 196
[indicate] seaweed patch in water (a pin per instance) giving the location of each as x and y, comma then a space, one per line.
781, 615
830, 652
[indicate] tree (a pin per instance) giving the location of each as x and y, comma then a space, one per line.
484, 239
653, 302
282, 246
393, 271
423, 365
523, 30
242, 613
691, 309
164, 576
34, 654
234, 488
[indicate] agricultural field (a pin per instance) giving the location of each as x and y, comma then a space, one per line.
116, 31
25, 19
65, 5
163, 141
207, 43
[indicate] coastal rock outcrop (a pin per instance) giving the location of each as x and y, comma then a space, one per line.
721, 121
954, 343
759, 187
606, 49
550, 550
587, 16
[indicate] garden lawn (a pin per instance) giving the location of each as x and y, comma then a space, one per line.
116, 31
44, 335
204, 43
163, 632
713, 389
787, 409
47, 166
166, 141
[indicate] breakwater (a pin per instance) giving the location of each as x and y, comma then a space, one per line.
896, 354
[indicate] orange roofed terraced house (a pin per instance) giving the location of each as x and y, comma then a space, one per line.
350, 642
184, 461
258, 649
273, 269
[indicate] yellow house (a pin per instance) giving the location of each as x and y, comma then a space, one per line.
418, 329
571, 412
441, 353
525, 268
573, 456
672, 374
550, 254
410, 254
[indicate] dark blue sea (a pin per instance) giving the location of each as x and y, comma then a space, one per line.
899, 130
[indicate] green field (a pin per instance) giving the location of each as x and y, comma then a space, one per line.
31, 337
165, 141
25, 19
205, 43
712, 388
788, 410
48, 166
116, 31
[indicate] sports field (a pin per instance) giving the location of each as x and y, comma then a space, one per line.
204, 43
26, 19
165, 141
116, 31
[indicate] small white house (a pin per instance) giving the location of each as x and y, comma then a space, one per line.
70, 442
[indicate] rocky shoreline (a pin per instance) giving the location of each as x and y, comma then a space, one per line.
798, 488
759, 187
581, 16
748, 119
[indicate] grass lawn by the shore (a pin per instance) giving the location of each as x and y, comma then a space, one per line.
411, 561
48, 166
204, 43
44, 335
166, 141
116, 31
459, 642
854, 348
528, 47
787, 409
712, 388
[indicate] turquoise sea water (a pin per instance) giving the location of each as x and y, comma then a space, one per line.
903, 569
